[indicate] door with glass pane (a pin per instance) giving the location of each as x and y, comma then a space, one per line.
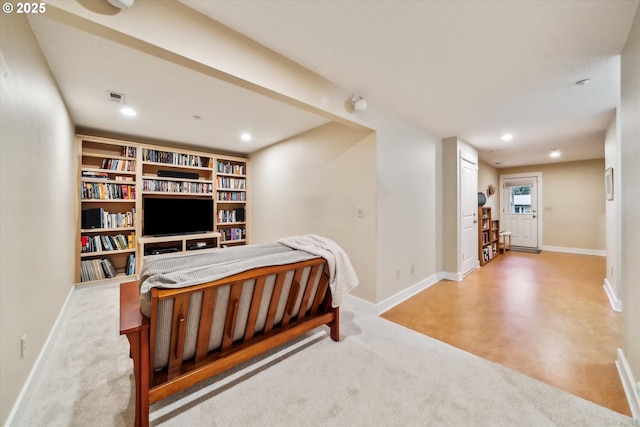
520, 210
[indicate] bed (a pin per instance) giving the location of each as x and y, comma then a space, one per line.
190, 317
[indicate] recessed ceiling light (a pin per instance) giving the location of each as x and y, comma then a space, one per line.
128, 111
554, 153
246, 136
583, 82
506, 137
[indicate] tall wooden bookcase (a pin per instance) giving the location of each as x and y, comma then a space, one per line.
114, 178
488, 235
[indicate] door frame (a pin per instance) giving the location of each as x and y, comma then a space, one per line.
461, 159
503, 202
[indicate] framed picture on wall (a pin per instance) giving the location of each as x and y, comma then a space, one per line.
608, 183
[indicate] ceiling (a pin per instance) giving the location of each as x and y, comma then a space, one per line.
166, 96
472, 69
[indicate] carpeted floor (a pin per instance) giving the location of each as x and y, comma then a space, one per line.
380, 374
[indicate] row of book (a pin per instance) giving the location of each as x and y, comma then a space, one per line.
232, 183
107, 191
235, 215
99, 269
170, 158
177, 187
232, 196
119, 165
128, 151
231, 168
233, 233
100, 218
107, 242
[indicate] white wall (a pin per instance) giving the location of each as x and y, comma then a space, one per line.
37, 188
315, 182
611, 160
409, 205
629, 190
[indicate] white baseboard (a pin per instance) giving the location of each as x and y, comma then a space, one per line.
456, 277
379, 308
578, 251
629, 384
18, 410
616, 304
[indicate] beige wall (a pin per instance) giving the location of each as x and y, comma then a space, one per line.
573, 205
611, 160
37, 188
630, 183
489, 175
409, 207
315, 183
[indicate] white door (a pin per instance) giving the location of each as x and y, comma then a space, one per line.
469, 207
520, 210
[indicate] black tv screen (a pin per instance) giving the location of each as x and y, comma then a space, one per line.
172, 216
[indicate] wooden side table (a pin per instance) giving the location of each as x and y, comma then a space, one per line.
505, 241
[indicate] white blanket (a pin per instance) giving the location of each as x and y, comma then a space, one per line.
342, 276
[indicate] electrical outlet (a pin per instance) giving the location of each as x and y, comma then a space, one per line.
413, 268
397, 273
23, 345
360, 212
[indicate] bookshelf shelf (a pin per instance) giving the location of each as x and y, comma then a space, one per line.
171, 165
103, 253
105, 230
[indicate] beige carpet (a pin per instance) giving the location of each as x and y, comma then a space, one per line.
380, 374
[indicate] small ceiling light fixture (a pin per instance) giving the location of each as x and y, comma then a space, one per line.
196, 117
554, 153
122, 4
128, 111
359, 103
506, 137
495, 151
246, 137
583, 82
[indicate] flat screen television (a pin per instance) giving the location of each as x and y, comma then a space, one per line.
171, 216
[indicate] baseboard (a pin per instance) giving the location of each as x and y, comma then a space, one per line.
379, 308
578, 251
629, 384
18, 410
616, 304
456, 277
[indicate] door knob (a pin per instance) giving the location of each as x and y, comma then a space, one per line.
533, 216
475, 221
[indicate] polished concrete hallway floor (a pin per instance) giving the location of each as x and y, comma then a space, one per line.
546, 316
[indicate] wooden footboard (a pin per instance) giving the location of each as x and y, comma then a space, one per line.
284, 317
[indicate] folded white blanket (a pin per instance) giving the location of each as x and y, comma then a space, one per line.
342, 276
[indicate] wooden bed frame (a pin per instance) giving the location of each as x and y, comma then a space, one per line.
153, 385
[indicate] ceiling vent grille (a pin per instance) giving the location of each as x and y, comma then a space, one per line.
116, 97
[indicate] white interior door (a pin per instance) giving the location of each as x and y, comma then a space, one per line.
520, 210
469, 207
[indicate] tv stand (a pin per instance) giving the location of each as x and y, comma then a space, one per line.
152, 245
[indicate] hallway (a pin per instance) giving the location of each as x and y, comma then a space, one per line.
546, 316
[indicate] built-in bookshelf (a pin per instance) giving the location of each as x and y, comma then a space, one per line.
231, 201
488, 235
115, 179
107, 199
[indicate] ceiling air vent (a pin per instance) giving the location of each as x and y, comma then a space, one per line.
116, 97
